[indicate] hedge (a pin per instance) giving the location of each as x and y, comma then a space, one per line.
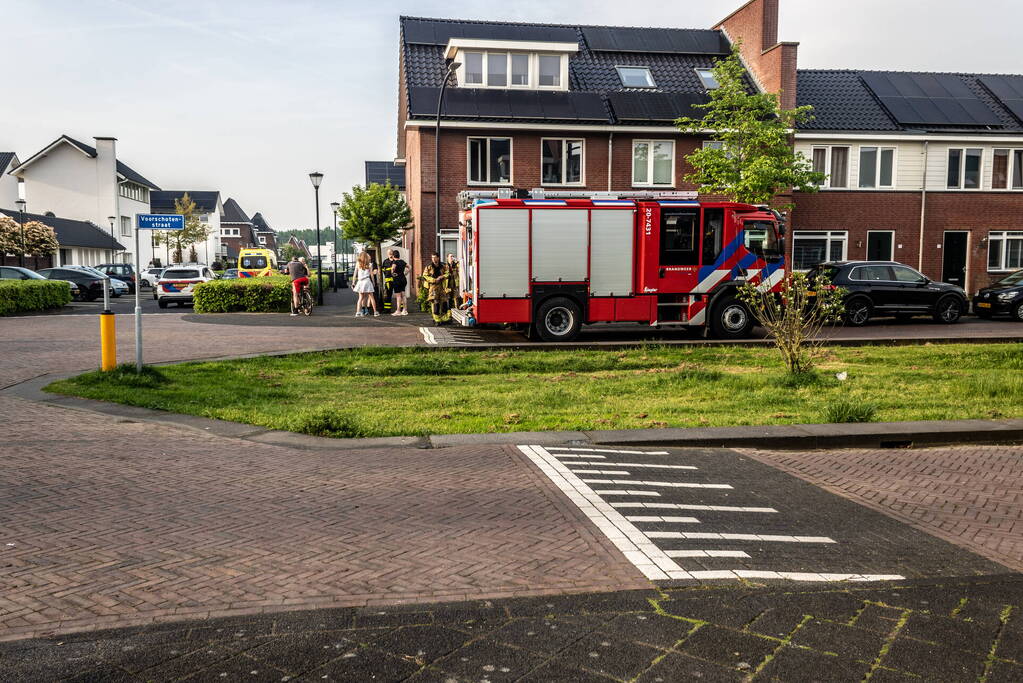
252, 295
21, 296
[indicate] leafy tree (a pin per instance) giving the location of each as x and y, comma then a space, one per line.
195, 231
756, 159
374, 214
40, 239
10, 235
290, 250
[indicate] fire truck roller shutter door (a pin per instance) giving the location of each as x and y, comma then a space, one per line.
503, 253
559, 245
611, 235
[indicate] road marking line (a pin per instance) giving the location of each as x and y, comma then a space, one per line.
668, 484
705, 553
602, 450
619, 472
591, 457
619, 492
677, 506
645, 556
428, 335
715, 535
672, 520
625, 464
792, 576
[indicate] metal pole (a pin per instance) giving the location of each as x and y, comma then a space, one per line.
319, 259
138, 301
21, 258
334, 255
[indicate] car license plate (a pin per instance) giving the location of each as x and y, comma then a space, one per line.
983, 305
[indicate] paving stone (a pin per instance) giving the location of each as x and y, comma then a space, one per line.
798, 664
556, 670
544, 636
933, 662
364, 664
963, 635
651, 629
192, 664
490, 660
1003, 672
729, 648
604, 653
241, 667
301, 652
778, 622
424, 644
680, 668
846, 641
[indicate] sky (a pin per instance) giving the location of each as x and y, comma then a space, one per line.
248, 97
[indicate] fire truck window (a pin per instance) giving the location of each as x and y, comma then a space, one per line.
760, 238
713, 234
680, 244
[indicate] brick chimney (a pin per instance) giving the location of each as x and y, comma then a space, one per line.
107, 190
772, 64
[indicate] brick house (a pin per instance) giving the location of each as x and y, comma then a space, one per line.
923, 168
561, 107
236, 231
266, 236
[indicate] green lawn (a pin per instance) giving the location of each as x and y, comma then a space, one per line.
380, 392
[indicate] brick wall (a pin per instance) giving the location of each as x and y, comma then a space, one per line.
772, 64
858, 212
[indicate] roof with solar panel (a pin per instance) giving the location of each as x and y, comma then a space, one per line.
904, 101
596, 91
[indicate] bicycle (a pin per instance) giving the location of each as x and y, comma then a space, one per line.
305, 301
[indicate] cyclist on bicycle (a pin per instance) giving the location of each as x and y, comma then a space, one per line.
299, 273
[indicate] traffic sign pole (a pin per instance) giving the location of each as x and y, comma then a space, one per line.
148, 221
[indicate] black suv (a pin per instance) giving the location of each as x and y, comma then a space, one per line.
885, 288
90, 286
125, 272
1004, 296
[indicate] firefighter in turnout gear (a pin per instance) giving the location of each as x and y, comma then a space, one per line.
436, 277
453, 282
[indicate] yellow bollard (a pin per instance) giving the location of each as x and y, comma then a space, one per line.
107, 341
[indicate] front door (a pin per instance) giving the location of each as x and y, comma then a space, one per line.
879, 245
953, 269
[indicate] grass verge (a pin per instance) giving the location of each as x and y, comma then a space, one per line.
388, 392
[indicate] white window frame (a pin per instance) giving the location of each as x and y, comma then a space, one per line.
962, 170
468, 160
564, 162
534, 70
891, 255
621, 79
829, 235
1010, 170
826, 185
262, 239
877, 166
700, 71
1003, 237
650, 163
125, 226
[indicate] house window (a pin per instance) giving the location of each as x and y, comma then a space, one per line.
834, 163
1007, 169
473, 68
707, 78
126, 226
653, 162
549, 68
811, 247
1005, 251
490, 161
497, 69
262, 239
512, 70
964, 168
134, 191
636, 77
520, 69
561, 162
876, 167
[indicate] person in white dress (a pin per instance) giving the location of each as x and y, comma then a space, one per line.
364, 286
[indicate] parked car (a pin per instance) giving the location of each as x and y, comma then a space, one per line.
118, 287
176, 283
90, 285
18, 273
230, 274
1004, 297
149, 276
877, 289
122, 271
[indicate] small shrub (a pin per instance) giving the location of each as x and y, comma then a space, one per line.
332, 423
847, 410
251, 295
23, 296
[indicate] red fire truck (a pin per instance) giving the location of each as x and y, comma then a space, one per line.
552, 261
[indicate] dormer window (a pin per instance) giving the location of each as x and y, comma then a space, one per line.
707, 78
550, 70
636, 77
472, 68
511, 64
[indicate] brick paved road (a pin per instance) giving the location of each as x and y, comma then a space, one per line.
971, 496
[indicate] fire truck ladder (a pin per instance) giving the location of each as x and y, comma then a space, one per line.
467, 198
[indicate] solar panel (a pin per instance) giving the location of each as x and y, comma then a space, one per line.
588, 106
669, 40
525, 104
929, 99
644, 106
493, 103
1008, 90
426, 32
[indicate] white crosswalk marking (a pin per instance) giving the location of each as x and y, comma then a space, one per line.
682, 506
601, 450
705, 553
622, 492
667, 484
619, 472
630, 464
672, 520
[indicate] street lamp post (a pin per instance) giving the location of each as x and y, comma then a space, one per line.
111, 219
452, 67
316, 179
21, 209
335, 207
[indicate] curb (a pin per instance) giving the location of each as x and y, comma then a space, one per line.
774, 437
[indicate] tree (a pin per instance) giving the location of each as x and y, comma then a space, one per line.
755, 159
374, 214
195, 231
290, 250
39, 238
10, 236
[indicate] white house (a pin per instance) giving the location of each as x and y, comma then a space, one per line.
8, 183
74, 180
211, 211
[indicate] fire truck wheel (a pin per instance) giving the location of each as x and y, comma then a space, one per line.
730, 319
857, 312
558, 319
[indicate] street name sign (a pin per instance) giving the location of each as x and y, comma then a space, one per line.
159, 221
